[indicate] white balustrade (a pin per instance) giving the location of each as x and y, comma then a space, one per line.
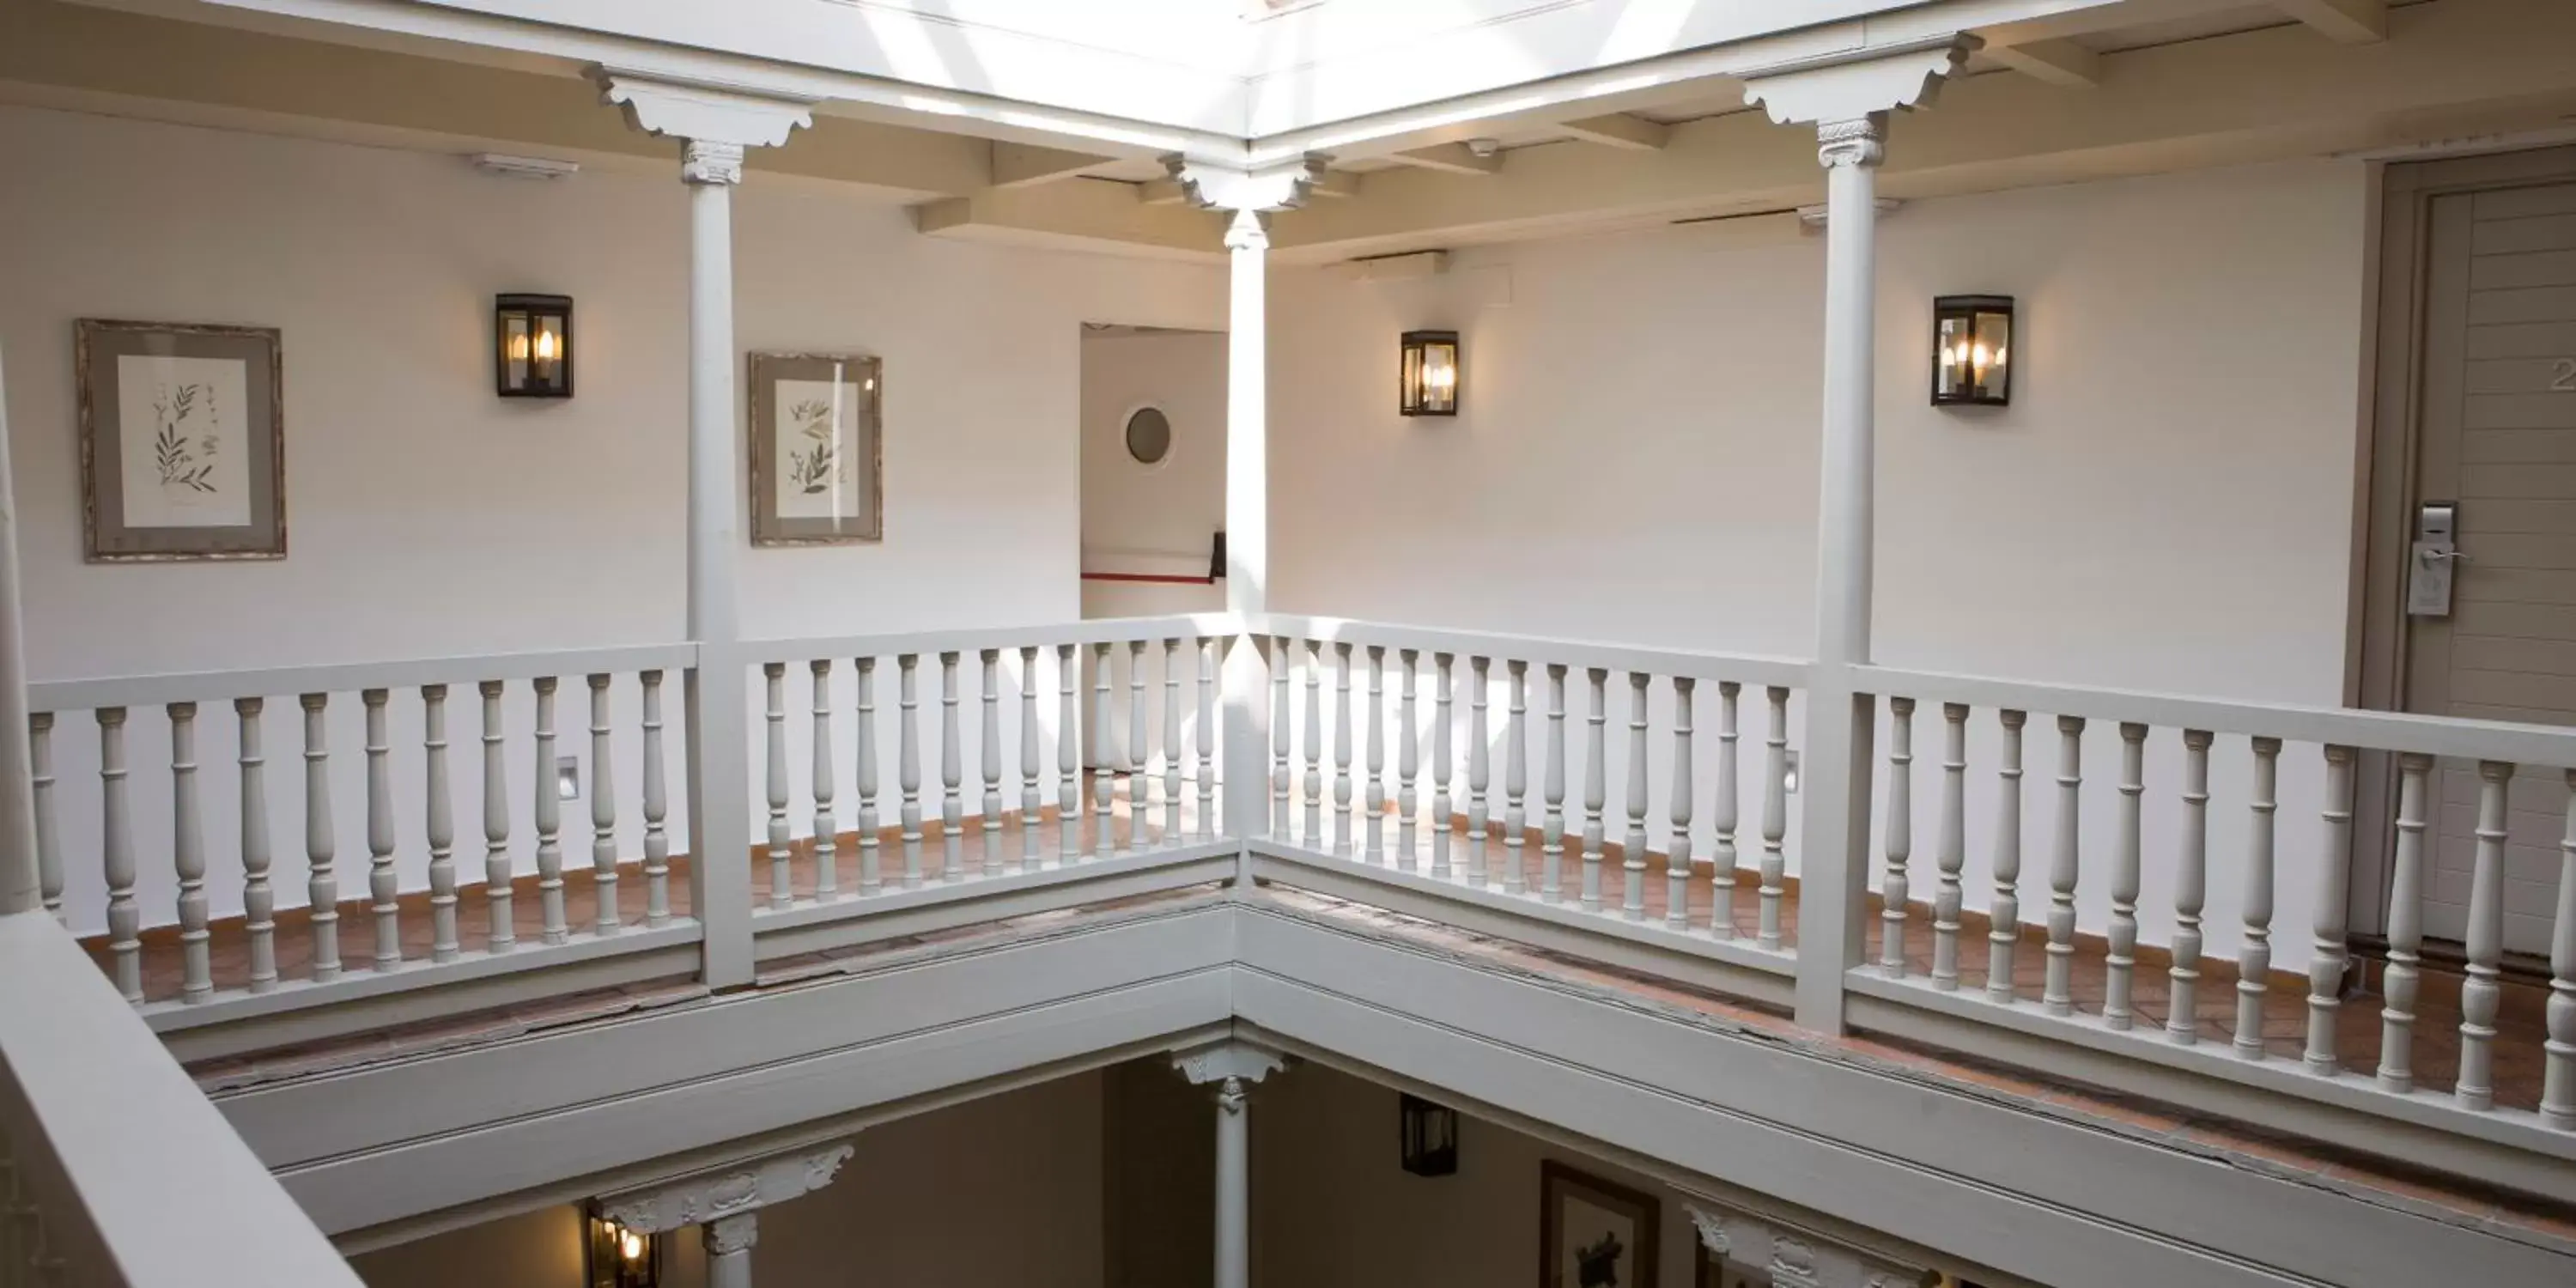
1479, 765
2065, 857
1408, 762
1170, 751
1775, 818
1373, 838
188, 847
605, 917
502, 933
1551, 882
1104, 782
1283, 725
827, 825
1140, 736
1516, 781
557, 926
1343, 837
1595, 790
2254, 953
259, 902
438, 824
116, 832
952, 807
2406, 926
1206, 649
908, 762
49, 834
383, 887
322, 887
1030, 814
1894, 888
1677, 849
1949, 896
2003, 911
2119, 961
1068, 758
871, 878
1632, 885
1443, 719
1723, 861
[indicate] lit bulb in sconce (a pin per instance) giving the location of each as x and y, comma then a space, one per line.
630, 1245
546, 345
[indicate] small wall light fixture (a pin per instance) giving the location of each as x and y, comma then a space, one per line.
1430, 1135
620, 1257
1430, 373
533, 357
1972, 351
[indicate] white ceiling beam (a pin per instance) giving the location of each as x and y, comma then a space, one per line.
1452, 158
1621, 130
2058, 62
2354, 22
1015, 164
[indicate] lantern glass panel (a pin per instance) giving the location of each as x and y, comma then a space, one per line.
622, 1258
534, 334
1430, 373
1972, 351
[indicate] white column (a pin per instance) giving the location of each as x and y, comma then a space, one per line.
729, 1242
713, 126
1232, 1066
1248, 196
1848, 101
738, 1192
19, 888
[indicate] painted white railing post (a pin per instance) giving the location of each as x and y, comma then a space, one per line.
2064, 864
1893, 887
1594, 792
2003, 913
554, 929
259, 900
1516, 781
500, 915
870, 878
1373, 800
989, 774
1249, 195
1280, 660
1408, 762
1551, 881
2481, 995
1031, 813
1068, 757
321, 845
1344, 840
1722, 860
1140, 740
1443, 715
1952, 855
2558, 1050
382, 886
2326, 957
908, 763
188, 849
605, 917
2406, 926
2254, 950
1479, 767
827, 825
713, 127
22, 884
1677, 851
1632, 865
657, 808
952, 809
2120, 961
1171, 748
438, 823
1848, 102
2191, 891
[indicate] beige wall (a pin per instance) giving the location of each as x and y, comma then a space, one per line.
1003, 1190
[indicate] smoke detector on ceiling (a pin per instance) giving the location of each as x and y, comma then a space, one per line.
1484, 147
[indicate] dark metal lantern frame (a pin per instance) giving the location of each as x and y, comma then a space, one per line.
1429, 1136
1972, 345
524, 327
1430, 373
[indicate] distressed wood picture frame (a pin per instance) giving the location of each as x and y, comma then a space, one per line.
817, 449
182, 441
1595, 1233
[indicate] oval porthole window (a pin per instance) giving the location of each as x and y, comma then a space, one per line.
1149, 436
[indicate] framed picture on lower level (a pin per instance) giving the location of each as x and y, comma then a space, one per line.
182, 441
1593, 1233
816, 449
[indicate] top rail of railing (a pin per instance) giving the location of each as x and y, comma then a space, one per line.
2525, 744
350, 677
137, 1179
969, 640
1580, 654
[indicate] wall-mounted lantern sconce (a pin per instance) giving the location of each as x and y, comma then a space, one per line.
1972, 351
534, 357
621, 1258
1430, 369
1430, 1135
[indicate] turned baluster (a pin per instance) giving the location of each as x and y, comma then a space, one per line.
2057, 986
782, 888
1140, 737
2558, 1050
1677, 852
1443, 716
1516, 781
1314, 784
1722, 859
501, 932
1632, 865
2254, 955
2326, 962
1775, 817
952, 807
988, 829
827, 825
2480, 993
907, 770
549, 820
1206, 650
1551, 842
383, 888
607, 918
438, 824
1031, 815
188, 856
1948, 895
1342, 720
259, 902
1283, 659
1068, 757
1595, 790
1171, 748
2004, 913
657, 808
2406, 925
116, 838
1373, 842
321, 845
1894, 888
1479, 767
1104, 785
871, 879
49, 837
1408, 762
2120, 962
2191, 882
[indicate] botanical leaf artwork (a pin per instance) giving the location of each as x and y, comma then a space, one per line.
814, 467
820, 449
185, 445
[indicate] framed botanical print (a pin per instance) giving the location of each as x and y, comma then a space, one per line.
1593, 1233
816, 449
182, 441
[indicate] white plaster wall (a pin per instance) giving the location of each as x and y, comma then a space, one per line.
915, 1204
429, 518
2166, 505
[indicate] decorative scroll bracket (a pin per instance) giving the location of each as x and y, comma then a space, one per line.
715, 122
1217, 186
712, 1196
1231, 1059
1793, 1258
1852, 86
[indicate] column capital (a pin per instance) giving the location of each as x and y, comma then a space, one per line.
1218, 185
1231, 1060
732, 1234
715, 122
1857, 85
1859, 141
1793, 1258
715, 1196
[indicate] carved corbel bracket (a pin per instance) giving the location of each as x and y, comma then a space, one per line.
714, 1195
716, 122
1857, 85
1231, 1059
1792, 1258
1217, 185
